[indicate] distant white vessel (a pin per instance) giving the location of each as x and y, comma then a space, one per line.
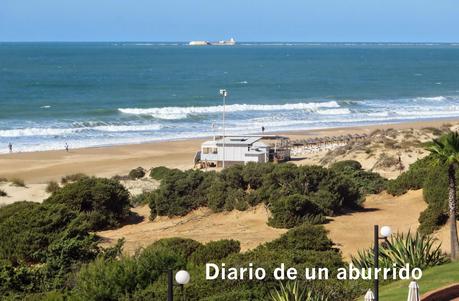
230, 42
199, 43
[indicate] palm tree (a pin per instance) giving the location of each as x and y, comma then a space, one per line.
446, 151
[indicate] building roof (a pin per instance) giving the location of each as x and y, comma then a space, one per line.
238, 140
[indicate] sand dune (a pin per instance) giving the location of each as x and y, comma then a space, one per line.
249, 227
350, 232
32, 193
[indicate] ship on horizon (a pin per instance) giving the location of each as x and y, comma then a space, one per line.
230, 42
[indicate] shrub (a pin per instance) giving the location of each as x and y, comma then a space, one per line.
11, 209
346, 164
432, 219
52, 187
158, 173
215, 250
367, 182
141, 199
120, 279
413, 178
73, 178
3, 193
303, 238
417, 250
181, 192
103, 203
18, 182
182, 246
318, 190
136, 173
291, 211
29, 229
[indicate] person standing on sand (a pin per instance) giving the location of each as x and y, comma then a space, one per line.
10, 147
262, 129
66, 147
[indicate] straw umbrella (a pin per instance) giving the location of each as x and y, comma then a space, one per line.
369, 296
413, 292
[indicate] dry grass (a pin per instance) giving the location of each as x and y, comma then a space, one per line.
18, 182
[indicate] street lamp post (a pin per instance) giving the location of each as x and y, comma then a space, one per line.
385, 233
224, 93
181, 277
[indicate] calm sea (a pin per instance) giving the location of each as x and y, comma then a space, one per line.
93, 94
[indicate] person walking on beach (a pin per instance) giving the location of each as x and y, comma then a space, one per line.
66, 147
262, 129
10, 147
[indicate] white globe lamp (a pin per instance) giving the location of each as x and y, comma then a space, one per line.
182, 277
386, 231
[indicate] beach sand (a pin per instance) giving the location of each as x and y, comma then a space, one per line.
41, 167
350, 232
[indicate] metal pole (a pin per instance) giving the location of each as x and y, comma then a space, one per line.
376, 261
170, 285
183, 292
224, 130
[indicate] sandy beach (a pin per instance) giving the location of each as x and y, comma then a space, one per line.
41, 167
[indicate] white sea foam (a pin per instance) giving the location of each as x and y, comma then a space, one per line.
183, 112
435, 98
35, 131
45, 107
343, 111
127, 128
28, 132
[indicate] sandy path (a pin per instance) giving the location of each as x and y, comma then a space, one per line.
350, 232
355, 231
248, 227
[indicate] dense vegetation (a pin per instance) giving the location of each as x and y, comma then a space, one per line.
49, 251
43, 244
143, 276
433, 179
102, 203
294, 194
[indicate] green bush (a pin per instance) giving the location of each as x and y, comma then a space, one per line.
306, 237
182, 246
103, 203
411, 179
29, 232
291, 211
120, 279
158, 173
432, 219
52, 187
73, 178
367, 182
181, 192
136, 173
215, 250
141, 199
241, 186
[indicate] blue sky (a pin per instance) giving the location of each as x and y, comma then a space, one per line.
246, 20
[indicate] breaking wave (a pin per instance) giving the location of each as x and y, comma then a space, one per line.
184, 112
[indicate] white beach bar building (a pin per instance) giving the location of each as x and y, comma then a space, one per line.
244, 149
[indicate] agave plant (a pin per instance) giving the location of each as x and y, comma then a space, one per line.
293, 292
420, 251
